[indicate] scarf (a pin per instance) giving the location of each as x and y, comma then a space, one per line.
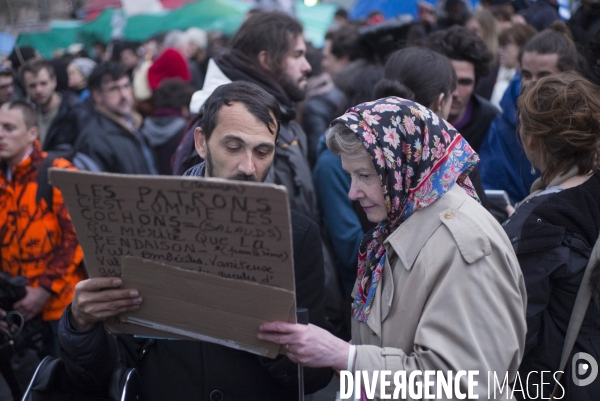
418, 158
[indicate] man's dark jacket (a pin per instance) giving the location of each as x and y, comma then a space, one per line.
193, 370
476, 129
553, 235
114, 148
70, 120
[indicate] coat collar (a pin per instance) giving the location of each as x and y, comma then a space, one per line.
25, 166
419, 230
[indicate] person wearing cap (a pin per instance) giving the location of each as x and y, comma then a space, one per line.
7, 85
178, 40
61, 117
78, 71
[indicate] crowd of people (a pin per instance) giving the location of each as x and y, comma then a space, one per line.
393, 141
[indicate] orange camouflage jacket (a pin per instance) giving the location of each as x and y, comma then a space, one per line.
37, 242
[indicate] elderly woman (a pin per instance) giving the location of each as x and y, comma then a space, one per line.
438, 285
554, 230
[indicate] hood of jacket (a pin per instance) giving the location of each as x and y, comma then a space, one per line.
214, 78
509, 100
233, 66
158, 130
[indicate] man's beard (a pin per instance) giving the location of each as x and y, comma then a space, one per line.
210, 169
291, 88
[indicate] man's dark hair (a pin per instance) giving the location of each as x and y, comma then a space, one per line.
461, 44
273, 32
341, 13
29, 116
36, 65
172, 94
257, 101
118, 46
107, 69
518, 34
555, 40
345, 41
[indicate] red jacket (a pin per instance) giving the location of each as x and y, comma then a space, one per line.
37, 242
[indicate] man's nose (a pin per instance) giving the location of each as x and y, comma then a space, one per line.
306, 68
246, 166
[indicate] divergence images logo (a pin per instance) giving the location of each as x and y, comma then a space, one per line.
580, 368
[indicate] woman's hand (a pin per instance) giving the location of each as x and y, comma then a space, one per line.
308, 345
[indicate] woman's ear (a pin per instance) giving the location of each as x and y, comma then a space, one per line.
436, 106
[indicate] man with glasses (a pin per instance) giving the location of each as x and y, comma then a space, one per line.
112, 137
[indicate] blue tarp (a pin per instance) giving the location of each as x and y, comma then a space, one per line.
389, 8
7, 42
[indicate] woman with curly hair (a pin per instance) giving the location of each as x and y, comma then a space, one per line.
555, 228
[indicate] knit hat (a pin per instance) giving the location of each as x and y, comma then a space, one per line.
85, 65
170, 64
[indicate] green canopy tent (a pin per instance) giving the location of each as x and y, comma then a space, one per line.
60, 35
211, 15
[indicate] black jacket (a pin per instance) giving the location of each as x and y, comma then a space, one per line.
553, 235
112, 147
193, 370
476, 129
66, 127
317, 114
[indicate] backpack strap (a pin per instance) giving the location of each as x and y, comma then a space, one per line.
584, 295
44, 189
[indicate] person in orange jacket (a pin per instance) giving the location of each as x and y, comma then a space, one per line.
37, 240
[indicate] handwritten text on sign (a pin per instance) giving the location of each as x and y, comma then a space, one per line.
228, 228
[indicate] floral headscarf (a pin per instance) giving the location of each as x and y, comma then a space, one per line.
418, 157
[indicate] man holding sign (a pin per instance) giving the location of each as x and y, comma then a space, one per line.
237, 140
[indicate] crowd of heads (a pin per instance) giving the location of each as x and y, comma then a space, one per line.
439, 60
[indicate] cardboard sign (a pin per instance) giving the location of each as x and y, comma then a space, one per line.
207, 307
231, 229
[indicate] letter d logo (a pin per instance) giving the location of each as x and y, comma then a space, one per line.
582, 368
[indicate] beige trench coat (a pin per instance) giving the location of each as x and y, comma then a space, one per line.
452, 297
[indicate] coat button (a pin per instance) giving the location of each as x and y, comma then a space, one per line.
449, 214
216, 395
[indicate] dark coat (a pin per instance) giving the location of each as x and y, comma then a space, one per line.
181, 370
317, 114
476, 129
112, 147
66, 127
553, 235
